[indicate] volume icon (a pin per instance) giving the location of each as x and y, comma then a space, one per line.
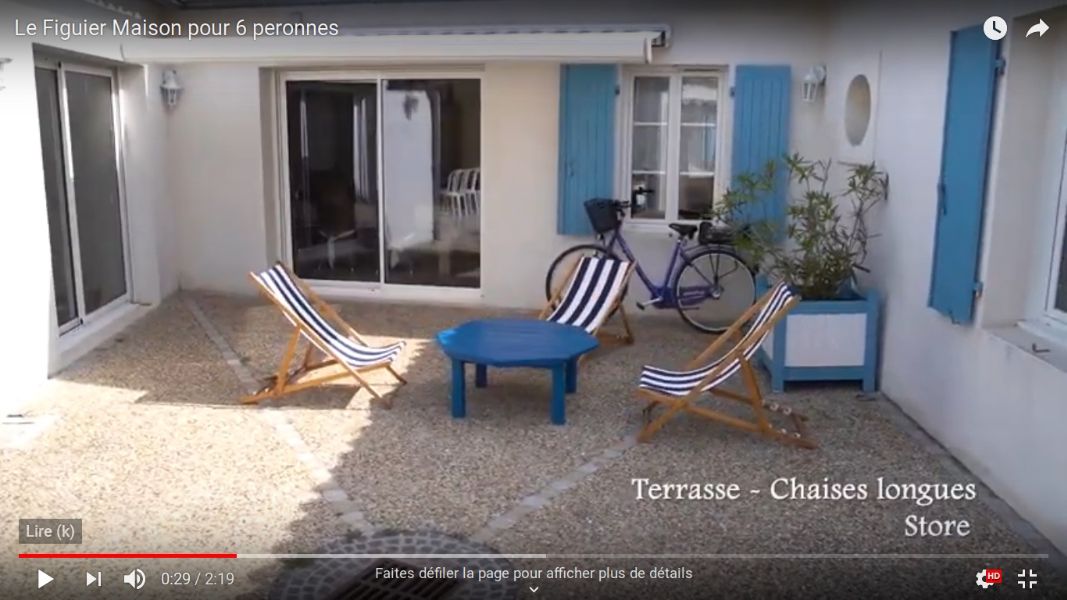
134, 579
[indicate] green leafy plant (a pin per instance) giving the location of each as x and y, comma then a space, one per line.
823, 241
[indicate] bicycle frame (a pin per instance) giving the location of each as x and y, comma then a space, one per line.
662, 295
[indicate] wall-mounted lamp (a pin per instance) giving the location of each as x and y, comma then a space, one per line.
812, 81
3, 61
171, 88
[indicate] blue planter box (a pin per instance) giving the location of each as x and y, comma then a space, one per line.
825, 340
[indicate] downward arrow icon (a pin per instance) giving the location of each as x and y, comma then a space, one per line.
534, 589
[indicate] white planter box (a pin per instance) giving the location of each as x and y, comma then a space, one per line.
825, 340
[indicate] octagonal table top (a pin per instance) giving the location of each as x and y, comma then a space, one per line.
515, 342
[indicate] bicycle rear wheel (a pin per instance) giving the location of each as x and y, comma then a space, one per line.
561, 266
713, 289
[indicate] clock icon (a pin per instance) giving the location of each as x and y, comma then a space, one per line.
995, 28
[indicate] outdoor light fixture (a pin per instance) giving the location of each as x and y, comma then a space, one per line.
816, 77
171, 88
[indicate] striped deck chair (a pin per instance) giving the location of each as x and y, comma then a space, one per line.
346, 354
678, 391
591, 293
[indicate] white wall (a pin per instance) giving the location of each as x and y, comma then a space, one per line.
995, 406
215, 174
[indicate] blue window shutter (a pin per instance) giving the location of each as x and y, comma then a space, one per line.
761, 131
972, 79
586, 142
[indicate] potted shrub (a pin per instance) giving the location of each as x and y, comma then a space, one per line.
833, 333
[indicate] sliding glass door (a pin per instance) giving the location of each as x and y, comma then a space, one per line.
384, 180
76, 110
333, 179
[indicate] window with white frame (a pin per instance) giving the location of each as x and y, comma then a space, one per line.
672, 143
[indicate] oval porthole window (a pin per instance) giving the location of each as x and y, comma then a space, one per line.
857, 109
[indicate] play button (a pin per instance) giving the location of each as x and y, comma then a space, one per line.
43, 579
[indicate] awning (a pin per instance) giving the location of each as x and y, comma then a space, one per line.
588, 45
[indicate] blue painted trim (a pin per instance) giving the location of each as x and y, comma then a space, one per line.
586, 146
967, 132
870, 354
824, 373
761, 124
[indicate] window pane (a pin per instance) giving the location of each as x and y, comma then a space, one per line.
695, 194
333, 179
650, 148
697, 141
96, 190
1061, 281
56, 194
647, 196
700, 99
432, 181
649, 143
698, 149
651, 95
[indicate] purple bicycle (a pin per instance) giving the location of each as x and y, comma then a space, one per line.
708, 283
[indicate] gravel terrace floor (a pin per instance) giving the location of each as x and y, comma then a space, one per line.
144, 440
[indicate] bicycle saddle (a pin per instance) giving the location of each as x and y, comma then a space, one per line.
684, 229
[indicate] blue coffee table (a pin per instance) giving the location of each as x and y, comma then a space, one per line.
515, 343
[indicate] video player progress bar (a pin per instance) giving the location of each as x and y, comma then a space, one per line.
724, 556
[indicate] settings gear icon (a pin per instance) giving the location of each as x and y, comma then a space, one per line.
979, 579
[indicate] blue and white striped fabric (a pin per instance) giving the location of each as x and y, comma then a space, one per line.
279, 284
592, 292
680, 383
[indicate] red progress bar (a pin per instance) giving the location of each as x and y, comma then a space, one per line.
127, 555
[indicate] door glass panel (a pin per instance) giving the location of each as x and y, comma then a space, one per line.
648, 160
333, 179
96, 190
432, 181
696, 156
56, 195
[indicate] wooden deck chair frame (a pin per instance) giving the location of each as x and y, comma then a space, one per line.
605, 337
751, 395
309, 373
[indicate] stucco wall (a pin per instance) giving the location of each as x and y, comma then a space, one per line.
995, 406
216, 177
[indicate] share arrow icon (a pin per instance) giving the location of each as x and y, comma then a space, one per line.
1039, 29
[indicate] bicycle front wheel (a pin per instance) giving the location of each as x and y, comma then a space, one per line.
713, 288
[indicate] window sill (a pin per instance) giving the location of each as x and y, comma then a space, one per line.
654, 226
1041, 341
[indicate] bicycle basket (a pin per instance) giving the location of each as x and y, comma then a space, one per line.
603, 214
710, 234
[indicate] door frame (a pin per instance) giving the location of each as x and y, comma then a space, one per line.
61, 68
363, 289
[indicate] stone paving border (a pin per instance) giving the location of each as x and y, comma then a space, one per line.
1013, 520
326, 485
540, 499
